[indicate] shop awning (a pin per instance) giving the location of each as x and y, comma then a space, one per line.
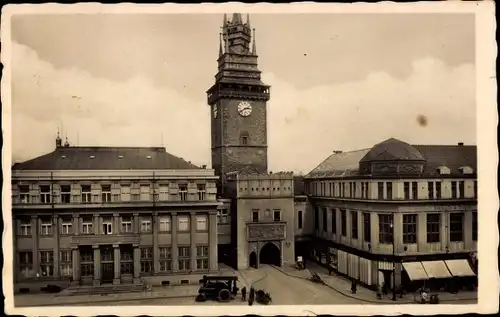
436, 269
415, 271
459, 267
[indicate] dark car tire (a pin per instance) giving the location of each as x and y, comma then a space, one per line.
224, 295
200, 298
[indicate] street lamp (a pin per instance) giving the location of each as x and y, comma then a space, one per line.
393, 264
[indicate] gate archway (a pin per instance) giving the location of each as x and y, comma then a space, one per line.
253, 259
270, 254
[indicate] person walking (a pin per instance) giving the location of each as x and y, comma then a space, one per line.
251, 296
244, 293
353, 286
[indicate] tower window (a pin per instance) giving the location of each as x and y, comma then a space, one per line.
244, 140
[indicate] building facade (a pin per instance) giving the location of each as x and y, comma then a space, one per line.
396, 213
113, 215
262, 203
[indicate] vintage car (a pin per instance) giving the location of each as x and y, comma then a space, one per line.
220, 288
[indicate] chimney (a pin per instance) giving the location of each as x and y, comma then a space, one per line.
460, 143
337, 152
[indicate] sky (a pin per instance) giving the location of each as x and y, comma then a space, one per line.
338, 82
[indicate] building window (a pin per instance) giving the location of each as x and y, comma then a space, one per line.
406, 187
165, 224
354, 224
277, 215
202, 257
385, 228
343, 222
126, 224
106, 193
107, 226
163, 192
201, 192
430, 188
461, 189
389, 190
414, 190
45, 194
453, 190
222, 216
255, 216
409, 229
201, 223
456, 227
438, 190
316, 218
145, 194
325, 219
26, 264
46, 227
25, 229
146, 224
299, 219
126, 261
183, 192
367, 230
363, 190
183, 223
65, 263
433, 227
125, 192
184, 258
24, 194
380, 190
474, 226
334, 221
66, 226
87, 225
87, 262
65, 194
475, 189
47, 263
165, 259
146, 260
86, 194
244, 140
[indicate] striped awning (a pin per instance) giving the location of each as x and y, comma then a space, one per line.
459, 267
415, 271
436, 269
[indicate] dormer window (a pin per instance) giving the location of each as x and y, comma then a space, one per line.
443, 170
466, 170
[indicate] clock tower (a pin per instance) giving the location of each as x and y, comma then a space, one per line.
238, 103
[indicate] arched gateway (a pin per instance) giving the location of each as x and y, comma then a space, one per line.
270, 254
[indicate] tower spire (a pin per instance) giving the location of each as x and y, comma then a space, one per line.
220, 43
236, 18
226, 48
248, 20
254, 46
224, 22
58, 139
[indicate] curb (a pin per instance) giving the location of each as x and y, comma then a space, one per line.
109, 300
368, 300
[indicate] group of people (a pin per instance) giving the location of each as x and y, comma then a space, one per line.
251, 296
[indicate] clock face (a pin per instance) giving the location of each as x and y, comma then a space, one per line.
244, 108
215, 111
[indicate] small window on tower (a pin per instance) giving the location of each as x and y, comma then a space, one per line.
244, 140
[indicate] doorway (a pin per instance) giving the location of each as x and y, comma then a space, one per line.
270, 254
253, 259
107, 264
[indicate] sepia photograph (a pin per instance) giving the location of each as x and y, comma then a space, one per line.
235, 159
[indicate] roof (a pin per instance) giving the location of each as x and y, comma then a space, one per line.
105, 158
345, 164
393, 149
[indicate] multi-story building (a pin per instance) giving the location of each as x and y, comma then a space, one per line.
114, 215
408, 211
262, 203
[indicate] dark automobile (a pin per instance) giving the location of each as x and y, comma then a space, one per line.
221, 288
50, 288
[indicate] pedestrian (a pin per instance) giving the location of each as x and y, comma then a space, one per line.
379, 292
330, 268
251, 296
353, 286
244, 293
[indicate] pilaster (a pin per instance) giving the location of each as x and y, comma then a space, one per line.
34, 238
97, 229
75, 257
421, 232
175, 251
76, 224
192, 239
444, 231
136, 223
56, 224
137, 264
468, 243
116, 223
212, 241
117, 268
398, 232
156, 251
97, 265
374, 230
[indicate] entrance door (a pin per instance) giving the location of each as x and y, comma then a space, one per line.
107, 272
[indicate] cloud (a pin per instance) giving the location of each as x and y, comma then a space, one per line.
304, 125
